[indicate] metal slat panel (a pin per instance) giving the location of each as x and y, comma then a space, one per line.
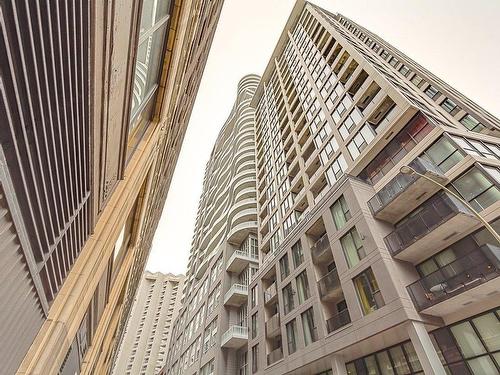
44, 128
20, 311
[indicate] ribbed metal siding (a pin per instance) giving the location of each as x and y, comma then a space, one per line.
21, 314
44, 127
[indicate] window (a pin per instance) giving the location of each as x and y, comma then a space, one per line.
291, 329
302, 287
477, 189
310, 330
368, 292
448, 105
399, 359
478, 148
417, 80
352, 247
471, 123
284, 266
354, 118
253, 296
288, 303
336, 169
330, 148
207, 369
253, 327
255, 358
431, 92
242, 363
340, 212
404, 70
341, 108
396, 149
297, 254
473, 344
360, 141
444, 154
149, 55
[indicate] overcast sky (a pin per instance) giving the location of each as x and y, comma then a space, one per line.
458, 40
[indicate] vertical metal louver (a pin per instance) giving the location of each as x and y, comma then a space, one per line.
21, 314
44, 128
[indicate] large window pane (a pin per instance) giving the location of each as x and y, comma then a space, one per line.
475, 188
399, 360
369, 294
371, 365
444, 154
309, 327
483, 366
148, 59
467, 340
353, 247
488, 327
302, 287
385, 363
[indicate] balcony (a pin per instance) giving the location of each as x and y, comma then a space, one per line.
270, 294
237, 295
451, 283
274, 356
321, 250
273, 327
241, 231
200, 271
239, 260
402, 194
329, 286
339, 320
438, 220
235, 337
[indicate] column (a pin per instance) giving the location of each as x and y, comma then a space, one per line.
424, 348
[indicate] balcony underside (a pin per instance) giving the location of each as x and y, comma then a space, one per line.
425, 246
236, 298
333, 293
407, 200
238, 263
235, 342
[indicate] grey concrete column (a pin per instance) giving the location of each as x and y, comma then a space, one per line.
424, 348
338, 365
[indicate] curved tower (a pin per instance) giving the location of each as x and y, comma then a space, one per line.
211, 332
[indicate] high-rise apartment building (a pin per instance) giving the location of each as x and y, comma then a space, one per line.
210, 334
95, 99
143, 348
364, 269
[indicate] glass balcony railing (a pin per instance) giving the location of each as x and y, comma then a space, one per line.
434, 213
320, 248
469, 271
274, 356
395, 188
273, 326
270, 293
339, 320
329, 284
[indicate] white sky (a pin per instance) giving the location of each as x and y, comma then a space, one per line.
458, 40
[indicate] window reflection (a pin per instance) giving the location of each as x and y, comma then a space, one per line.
153, 26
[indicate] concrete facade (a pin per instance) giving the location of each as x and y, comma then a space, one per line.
212, 327
143, 348
95, 100
362, 269
365, 270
